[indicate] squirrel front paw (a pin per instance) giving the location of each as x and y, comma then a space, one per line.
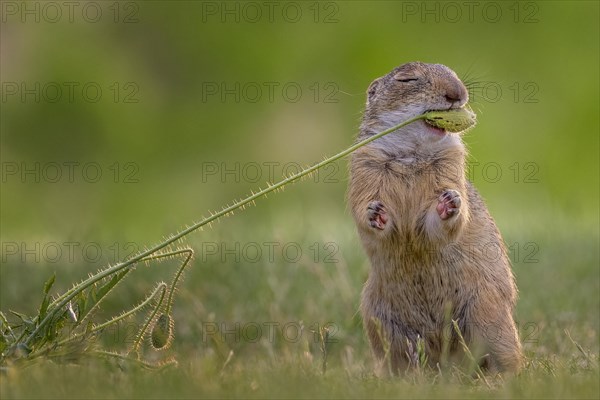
378, 217
448, 204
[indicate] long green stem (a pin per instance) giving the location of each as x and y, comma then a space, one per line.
63, 300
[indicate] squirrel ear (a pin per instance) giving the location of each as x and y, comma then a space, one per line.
372, 89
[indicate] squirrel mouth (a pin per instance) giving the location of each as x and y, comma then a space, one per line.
434, 129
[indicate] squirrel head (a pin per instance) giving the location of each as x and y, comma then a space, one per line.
407, 91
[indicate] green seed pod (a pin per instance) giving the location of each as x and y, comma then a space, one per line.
455, 120
162, 332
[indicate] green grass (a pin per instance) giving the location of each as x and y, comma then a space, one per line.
558, 293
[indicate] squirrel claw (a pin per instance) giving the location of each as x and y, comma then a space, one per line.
378, 217
448, 204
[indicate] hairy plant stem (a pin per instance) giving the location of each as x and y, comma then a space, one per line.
63, 300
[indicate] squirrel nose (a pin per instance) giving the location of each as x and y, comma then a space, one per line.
452, 97
456, 94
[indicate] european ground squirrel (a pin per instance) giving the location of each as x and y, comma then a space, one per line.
427, 232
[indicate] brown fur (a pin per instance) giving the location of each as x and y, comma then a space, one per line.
426, 271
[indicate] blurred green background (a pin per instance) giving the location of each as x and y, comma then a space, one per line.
186, 97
